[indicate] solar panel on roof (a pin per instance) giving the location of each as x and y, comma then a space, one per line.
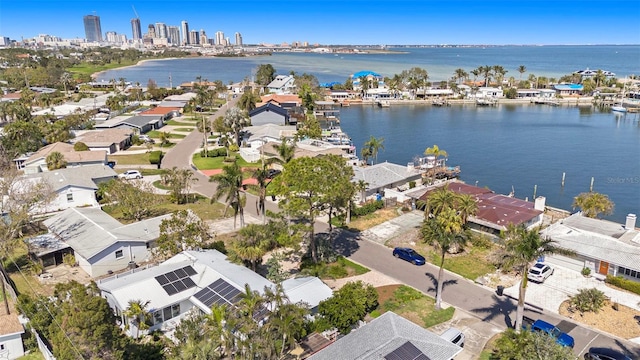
180, 286
171, 276
170, 289
189, 270
406, 351
162, 279
189, 283
219, 292
181, 273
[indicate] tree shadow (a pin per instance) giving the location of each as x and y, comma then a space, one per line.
503, 306
434, 280
633, 353
345, 242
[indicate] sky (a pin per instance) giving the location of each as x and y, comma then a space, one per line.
367, 22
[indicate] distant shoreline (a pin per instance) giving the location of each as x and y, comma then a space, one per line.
96, 74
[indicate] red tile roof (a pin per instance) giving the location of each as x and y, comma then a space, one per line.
160, 111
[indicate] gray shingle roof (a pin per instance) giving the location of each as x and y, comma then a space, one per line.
383, 174
90, 230
383, 335
76, 176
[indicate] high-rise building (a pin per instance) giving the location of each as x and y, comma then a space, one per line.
174, 35
136, 30
112, 37
151, 31
161, 30
238, 39
92, 29
202, 38
185, 32
220, 38
194, 37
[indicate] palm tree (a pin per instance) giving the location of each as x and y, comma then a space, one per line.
521, 69
286, 151
365, 152
437, 152
236, 119
65, 79
229, 184
252, 245
466, 206
138, 315
486, 71
460, 74
521, 247
593, 204
56, 160
374, 144
262, 178
361, 186
444, 233
499, 72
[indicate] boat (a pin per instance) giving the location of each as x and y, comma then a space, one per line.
619, 108
486, 102
383, 103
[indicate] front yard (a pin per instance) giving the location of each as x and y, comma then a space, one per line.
411, 305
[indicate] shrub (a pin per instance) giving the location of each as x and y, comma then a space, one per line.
69, 259
368, 208
588, 300
412, 184
80, 146
155, 157
623, 283
234, 148
214, 152
586, 271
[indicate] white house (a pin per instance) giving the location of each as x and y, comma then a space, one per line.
100, 243
282, 84
11, 331
195, 281
72, 187
489, 92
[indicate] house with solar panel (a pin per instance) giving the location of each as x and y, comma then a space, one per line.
194, 281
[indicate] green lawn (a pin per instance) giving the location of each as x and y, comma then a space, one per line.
471, 264
184, 129
88, 69
198, 204
339, 269
209, 163
411, 305
183, 122
131, 159
156, 135
33, 355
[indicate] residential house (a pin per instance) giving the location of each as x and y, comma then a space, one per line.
100, 243
270, 113
373, 78
37, 162
605, 247
11, 330
72, 187
109, 140
282, 84
386, 175
285, 101
568, 89
139, 124
496, 211
489, 92
389, 337
195, 281
165, 113
327, 113
260, 135
378, 93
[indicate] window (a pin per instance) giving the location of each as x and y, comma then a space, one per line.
119, 254
157, 317
167, 313
175, 310
70, 197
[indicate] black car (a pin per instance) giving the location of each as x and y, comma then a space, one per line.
271, 173
605, 354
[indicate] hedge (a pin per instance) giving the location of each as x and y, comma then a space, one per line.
623, 283
214, 152
155, 157
368, 208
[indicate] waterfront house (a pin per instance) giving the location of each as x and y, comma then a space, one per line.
139, 124
373, 78
374, 94
37, 162
165, 113
72, 187
194, 281
386, 175
389, 337
285, 101
568, 89
605, 247
327, 113
282, 84
588, 73
489, 92
11, 330
270, 113
100, 243
109, 140
496, 211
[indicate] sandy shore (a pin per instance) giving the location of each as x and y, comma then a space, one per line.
96, 74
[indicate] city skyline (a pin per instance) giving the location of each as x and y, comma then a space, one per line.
403, 22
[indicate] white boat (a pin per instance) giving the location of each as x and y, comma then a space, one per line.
383, 103
619, 108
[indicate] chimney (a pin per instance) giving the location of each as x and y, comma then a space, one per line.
630, 224
540, 202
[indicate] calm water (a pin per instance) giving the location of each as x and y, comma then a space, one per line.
519, 146
501, 147
549, 61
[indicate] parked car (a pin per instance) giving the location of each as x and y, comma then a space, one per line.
605, 354
540, 272
563, 339
409, 255
271, 173
146, 139
130, 174
454, 335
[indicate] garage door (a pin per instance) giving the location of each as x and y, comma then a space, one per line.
567, 262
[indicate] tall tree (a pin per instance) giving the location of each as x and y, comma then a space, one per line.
306, 189
180, 182
261, 175
593, 204
265, 74
138, 316
460, 74
236, 120
134, 199
374, 144
521, 247
229, 187
286, 150
183, 230
521, 69
248, 101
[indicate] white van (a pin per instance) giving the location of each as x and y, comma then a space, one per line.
454, 335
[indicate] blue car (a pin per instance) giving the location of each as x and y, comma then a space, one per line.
543, 326
409, 255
